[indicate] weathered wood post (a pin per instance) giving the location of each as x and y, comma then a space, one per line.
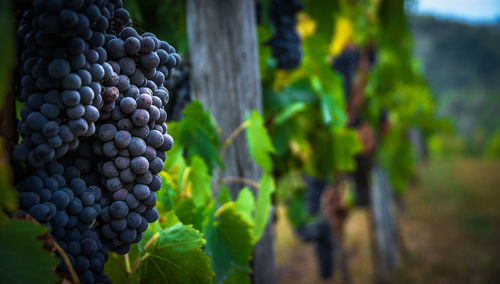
223, 50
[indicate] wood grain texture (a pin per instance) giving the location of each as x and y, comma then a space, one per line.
223, 50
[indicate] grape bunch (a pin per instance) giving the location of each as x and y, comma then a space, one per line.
59, 198
319, 233
92, 126
61, 68
285, 42
133, 138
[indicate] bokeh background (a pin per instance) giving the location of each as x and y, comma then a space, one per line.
449, 217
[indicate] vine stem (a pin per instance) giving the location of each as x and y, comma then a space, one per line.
67, 262
136, 267
228, 142
153, 238
143, 258
233, 136
240, 180
127, 263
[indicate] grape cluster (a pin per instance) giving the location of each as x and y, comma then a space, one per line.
318, 232
58, 197
93, 126
132, 139
285, 42
180, 95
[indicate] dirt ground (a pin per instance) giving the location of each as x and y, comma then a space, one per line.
450, 225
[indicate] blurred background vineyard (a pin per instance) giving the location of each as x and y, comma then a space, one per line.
450, 219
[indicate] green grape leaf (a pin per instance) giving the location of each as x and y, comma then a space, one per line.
197, 133
346, 146
290, 111
115, 269
177, 257
224, 195
238, 276
259, 142
199, 177
169, 219
245, 203
167, 195
188, 213
263, 204
22, 259
229, 241
296, 209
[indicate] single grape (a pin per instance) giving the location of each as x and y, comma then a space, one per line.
106, 132
58, 68
118, 209
127, 175
71, 98
151, 215
72, 81
137, 146
88, 214
60, 199
118, 225
122, 163
140, 117
139, 165
141, 191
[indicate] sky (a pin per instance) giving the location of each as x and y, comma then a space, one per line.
473, 11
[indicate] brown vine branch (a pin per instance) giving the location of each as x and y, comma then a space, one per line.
243, 180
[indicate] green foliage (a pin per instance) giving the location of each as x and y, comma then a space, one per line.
263, 204
238, 276
245, 203
230, 229
200, 182
346, 146
188, 213
229, 241
166, 19
177, 257
22, 252
198, 135
259, 143
224, 195
493, 148
397, 156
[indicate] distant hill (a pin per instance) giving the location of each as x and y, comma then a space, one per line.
462, 65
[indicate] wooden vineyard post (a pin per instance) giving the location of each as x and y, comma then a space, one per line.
223, 49
384, 230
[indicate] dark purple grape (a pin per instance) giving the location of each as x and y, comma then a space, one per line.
140, 117
107, 132
118, 209
58, 68
128, 105
139, 165
141, 191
